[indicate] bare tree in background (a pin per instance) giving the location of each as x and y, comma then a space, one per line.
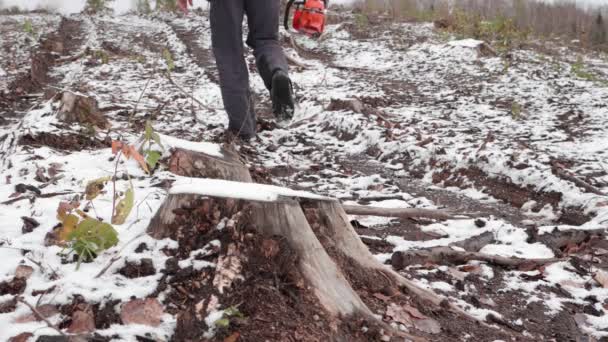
598, 31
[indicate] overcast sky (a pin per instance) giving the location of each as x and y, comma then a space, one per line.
121, 6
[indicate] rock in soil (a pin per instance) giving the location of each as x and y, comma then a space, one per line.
143, 268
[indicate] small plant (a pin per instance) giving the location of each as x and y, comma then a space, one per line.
85, 236
148, 139
101, 55
168, 57
28, 27
96, 6
516, 110
143, 6
167, 5
579, 70
88, 236
361, 20
224, 322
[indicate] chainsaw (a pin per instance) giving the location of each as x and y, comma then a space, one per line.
308, 17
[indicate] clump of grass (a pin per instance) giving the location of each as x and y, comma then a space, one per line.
580, 71
28, 27
501, 31
97, 6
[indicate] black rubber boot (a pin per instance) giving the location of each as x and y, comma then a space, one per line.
283, 104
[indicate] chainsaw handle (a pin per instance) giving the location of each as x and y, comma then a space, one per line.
286, 17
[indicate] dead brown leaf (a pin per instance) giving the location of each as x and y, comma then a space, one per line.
382, 297
398, 314
65, 208
233, 338
142, 311
470, 268
270, 248
411, 317
82, 322
45, 311
413, 312
23, 337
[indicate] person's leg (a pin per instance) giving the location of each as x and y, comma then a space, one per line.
263, 21
227, 40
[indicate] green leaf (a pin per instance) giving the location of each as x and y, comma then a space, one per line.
94, 187
222, 323
94, 235
169, 59
156, 139
149, 131
233, 311
152, 159
124, 207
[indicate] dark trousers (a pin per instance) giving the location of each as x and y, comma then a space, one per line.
227, 41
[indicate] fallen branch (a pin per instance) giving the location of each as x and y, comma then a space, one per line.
41, 317
48, 195
475, 243
560, 172
447, 255
296, 62
399, 212
168, 76
117, 256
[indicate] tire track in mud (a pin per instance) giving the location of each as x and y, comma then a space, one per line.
203, 57
24, 91
67, 39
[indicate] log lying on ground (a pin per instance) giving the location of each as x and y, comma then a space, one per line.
447, 255
557, 239
398, 212
81, 109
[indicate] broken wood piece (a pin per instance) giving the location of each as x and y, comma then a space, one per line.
557, 240
399, 212
448, 255
295, 61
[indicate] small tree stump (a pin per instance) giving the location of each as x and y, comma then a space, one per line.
81, 109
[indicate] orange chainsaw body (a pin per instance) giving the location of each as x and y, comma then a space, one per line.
309, 17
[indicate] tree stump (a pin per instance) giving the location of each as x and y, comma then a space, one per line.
330, 255
76, 108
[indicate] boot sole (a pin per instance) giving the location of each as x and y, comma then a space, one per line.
282, 98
